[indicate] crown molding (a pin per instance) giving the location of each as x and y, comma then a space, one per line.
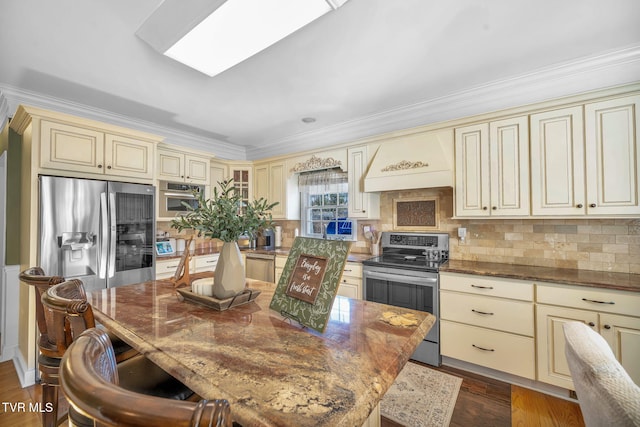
592, 73
11, 97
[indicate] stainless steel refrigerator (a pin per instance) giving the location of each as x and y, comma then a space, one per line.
100, 232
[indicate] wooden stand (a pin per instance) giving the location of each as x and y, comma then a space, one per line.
182, 276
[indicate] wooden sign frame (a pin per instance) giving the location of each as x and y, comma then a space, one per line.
313, 311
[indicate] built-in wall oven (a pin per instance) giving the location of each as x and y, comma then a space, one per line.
173, 195
406, 275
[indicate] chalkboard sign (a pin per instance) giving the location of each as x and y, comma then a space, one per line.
306, 278
310, 280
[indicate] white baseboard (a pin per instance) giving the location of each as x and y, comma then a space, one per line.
26, 376
10, 288
549, 389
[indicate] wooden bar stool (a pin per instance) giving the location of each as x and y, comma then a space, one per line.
68, 314
90, 381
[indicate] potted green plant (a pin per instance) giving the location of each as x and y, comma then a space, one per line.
225, 216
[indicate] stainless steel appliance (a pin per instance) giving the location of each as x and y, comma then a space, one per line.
173, 195
100, 232
406, 275
260, 266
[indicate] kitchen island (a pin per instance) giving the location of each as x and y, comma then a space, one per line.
273, 371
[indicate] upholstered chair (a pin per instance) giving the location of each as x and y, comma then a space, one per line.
607, 395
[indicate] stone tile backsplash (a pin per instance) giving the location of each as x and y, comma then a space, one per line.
589, 244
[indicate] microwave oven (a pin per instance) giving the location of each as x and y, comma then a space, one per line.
173, 196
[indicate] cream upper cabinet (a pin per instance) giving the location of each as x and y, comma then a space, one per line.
557, 163
272, 182
492, 168
69, 147
614, 314
182, 167
219, 172
613, 156
361, 204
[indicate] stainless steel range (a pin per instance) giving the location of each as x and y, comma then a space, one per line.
406, 275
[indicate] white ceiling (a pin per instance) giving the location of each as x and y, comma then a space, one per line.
370, 66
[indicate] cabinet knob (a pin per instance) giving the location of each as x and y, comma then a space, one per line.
607, 326
494, 208
592, 205
188, 177
484, 208
109, 167
579, 206
591, 324
99, 166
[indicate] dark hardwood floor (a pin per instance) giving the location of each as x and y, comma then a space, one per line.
487, 402
481, 402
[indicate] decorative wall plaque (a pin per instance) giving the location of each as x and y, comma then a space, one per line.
316, 163
416, 214
310, 305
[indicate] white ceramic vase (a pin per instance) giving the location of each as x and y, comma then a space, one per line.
229, 279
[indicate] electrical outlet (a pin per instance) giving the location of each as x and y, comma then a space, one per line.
366, 228
462, 234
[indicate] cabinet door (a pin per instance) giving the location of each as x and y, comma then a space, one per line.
196, 169
552, 363
557, 163
361, 204
472, 170
613, 156
261, 181
623, 335
71, 147
219, 172
278, 189
171, 166
130, 157
509, 166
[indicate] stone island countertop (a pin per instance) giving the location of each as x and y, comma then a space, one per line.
273, 371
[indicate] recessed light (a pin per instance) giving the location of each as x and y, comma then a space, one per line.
308, 119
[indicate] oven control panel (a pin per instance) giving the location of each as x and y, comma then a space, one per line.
415, 240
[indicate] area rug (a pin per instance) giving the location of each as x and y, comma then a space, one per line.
421, 397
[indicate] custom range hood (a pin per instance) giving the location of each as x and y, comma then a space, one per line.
421, 160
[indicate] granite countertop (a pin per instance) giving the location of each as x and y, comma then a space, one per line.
596, 279
273, 371
353, 256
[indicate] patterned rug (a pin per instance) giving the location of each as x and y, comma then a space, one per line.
421, 397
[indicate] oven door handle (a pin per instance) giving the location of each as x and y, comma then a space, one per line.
420, 281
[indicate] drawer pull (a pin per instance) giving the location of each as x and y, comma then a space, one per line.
481, 312
172, 266
598, 302
211, 261
482, 348
607, 326
482, 287
348, 270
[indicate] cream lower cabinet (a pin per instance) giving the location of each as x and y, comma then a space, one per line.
614, 314
488, 322
351, 282
166, 268
281, 260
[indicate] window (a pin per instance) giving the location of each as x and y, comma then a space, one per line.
324, 205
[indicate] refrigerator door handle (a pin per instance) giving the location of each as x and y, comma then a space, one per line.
104, 237
112, 238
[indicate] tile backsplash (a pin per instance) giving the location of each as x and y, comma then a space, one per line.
590, 244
